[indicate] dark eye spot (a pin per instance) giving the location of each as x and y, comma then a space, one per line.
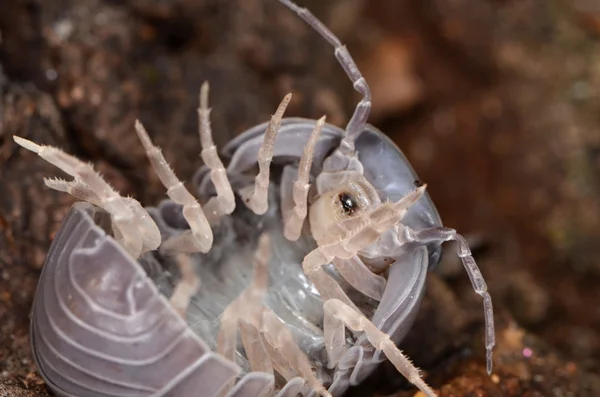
418, 183
349, 204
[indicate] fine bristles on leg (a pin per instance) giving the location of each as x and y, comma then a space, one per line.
338, 315
224, 202
77, 169
293, 225
75, 188
438, 234
257, 198
186, 287
135, 235
147, 229
348, 237
361, 113
200, 238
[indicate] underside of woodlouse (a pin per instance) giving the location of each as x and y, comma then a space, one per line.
296, 269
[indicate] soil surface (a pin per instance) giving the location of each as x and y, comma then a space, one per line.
495, 103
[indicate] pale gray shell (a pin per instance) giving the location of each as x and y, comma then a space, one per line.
100, 327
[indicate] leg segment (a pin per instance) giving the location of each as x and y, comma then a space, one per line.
75, 188
200, 238
358, 275
338, 315
293, 224
257, 198
187, 286
346, 238
277, 349
279, 337
437, 234
224, 202
248, 306
135, 232
150, 233
361, 113
350, 236
255, 347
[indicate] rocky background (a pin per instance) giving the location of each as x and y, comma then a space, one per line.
495, 103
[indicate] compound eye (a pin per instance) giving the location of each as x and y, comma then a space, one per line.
348, 202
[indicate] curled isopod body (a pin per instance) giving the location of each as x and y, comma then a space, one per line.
294, 270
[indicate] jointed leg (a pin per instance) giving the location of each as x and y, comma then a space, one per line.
186, 287
328, 288
348, 237
255, 347
361, 113
75, 188
134, 234
338, 315
280, 339
200, 238
277, 349
293, 225
248, 306
437, 234
257, 198
224, 202
358, 275
150, 234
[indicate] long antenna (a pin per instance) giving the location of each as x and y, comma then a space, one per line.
363, 108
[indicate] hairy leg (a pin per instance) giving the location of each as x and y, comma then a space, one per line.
256, 197
200, 237
339, 315
224, 202
293, 224
136, 235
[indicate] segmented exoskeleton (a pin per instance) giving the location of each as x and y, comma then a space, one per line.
297, 282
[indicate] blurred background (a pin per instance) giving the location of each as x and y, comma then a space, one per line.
495, 102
